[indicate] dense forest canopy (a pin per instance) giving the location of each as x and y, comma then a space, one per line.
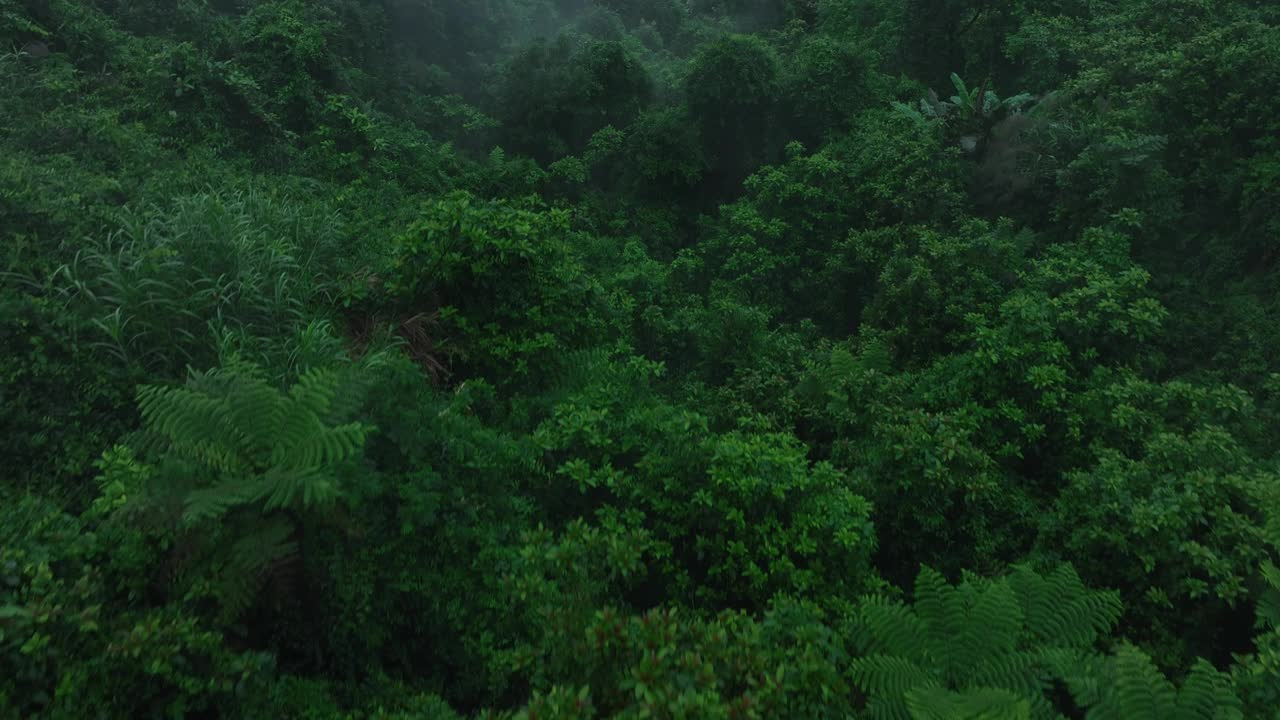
688, 359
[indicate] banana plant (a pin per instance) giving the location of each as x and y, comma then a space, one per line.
983, 101
965, 100
967, 103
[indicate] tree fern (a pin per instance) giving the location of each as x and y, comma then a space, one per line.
981, 640
250, 442
1136, 690
210, 503
245, 460
995, 648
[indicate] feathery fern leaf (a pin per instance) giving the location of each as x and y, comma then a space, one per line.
1141, 692
985, 704
236, 450
1269, 601
214, 502
1060, 610
1133, 689
887, 675
1207, 694
889, 625
991, 629
1003, 641
937, 605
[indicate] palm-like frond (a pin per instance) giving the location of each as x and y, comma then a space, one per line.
240, 450
983, 648
1134, 689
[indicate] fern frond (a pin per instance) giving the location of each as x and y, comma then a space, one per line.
282, 488
1034, 595
1269, 600
315, 391
942, 608
935, 602
297, 424
1207, 694
182, 416
883, 708
1271, 574
888, 626
1139, 690
1080, 621
215, 502
328, 446
983, 704
1083, 673
193, 423
1014, 636
1060, 611
890, 676
236, 449
1024, 672
991, 629
257, 410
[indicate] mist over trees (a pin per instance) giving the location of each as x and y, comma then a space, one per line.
408, 359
